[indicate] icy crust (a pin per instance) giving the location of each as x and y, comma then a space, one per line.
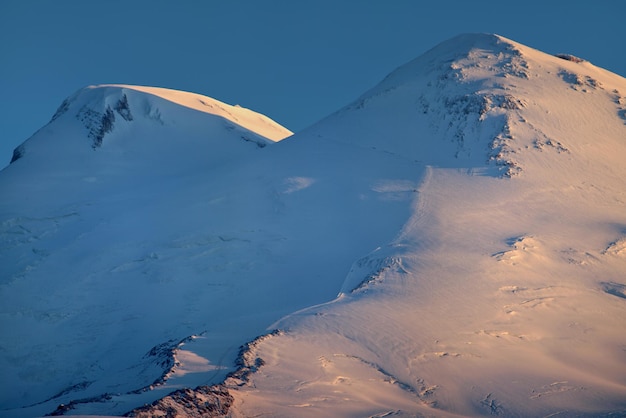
103, 109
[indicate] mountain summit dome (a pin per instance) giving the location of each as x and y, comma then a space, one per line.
480, 100
98, 115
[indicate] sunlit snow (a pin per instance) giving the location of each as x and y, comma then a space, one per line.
452, 243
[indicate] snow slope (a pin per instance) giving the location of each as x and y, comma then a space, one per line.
503, 292
102, 215
450, 244
175, 231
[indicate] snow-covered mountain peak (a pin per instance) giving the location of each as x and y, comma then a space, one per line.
115, 97
97, 114
479, 101
467, 50
145, 235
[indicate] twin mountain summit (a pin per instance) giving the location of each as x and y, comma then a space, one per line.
451, 243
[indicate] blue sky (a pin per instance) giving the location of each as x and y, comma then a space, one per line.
295, 61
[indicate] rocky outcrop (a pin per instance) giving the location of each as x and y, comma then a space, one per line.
208, 401
100, 123
203, 401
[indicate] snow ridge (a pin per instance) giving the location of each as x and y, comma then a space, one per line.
96, 107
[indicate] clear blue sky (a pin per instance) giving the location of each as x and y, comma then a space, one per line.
293, 60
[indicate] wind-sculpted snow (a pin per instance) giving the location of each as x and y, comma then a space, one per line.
449, 244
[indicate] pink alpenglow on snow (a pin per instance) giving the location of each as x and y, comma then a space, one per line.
449, 244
